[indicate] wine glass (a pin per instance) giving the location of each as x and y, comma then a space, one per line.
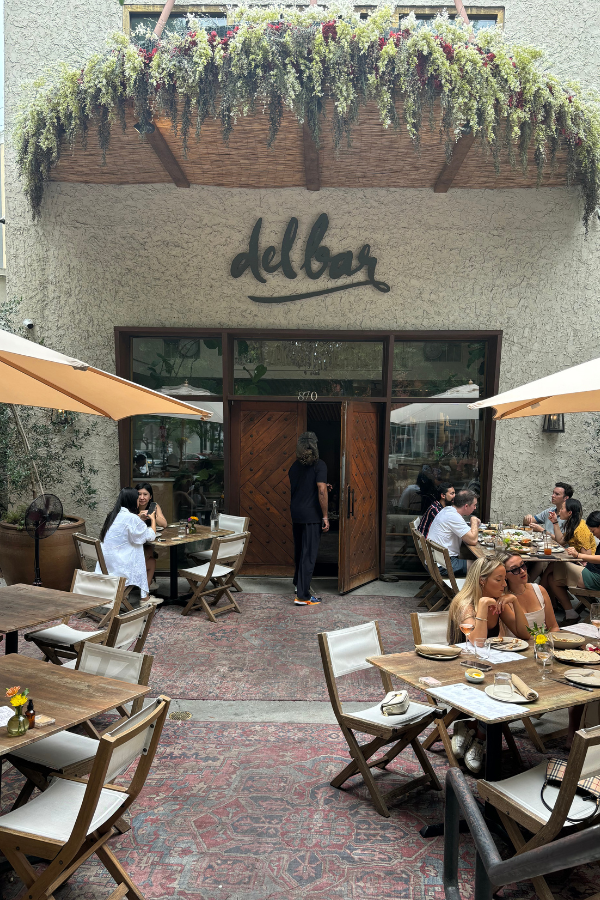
543, 657
595, 616
467, 628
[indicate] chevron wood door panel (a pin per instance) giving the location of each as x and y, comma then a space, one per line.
263, 439
359, 512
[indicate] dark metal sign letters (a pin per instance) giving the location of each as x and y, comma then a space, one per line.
317, 259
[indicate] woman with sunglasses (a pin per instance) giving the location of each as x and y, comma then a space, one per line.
532, 598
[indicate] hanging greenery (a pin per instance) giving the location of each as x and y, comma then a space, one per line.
316, 60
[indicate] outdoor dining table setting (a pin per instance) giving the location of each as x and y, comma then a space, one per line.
172, 537
519, 540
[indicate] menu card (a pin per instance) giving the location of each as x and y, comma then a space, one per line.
476, 702
495, 656
6, 713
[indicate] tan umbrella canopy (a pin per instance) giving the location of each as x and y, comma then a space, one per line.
570, 391
32, 375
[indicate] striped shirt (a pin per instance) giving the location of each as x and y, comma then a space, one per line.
428, 517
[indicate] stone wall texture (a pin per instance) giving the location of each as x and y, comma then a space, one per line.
514, 260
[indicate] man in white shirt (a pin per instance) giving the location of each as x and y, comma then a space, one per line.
449, 529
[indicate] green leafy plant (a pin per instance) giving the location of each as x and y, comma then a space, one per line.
17, 516
537, 629
312, 61
252, 386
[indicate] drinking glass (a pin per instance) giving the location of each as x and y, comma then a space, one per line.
482, 648
543, 657
547, 544
467, 628
595, 616
503, 688
181, 527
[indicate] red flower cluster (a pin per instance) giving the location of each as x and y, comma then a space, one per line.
447, 48
516, 101
329, 30
148, 55
276, 28
398, 36
212, 38
192, 35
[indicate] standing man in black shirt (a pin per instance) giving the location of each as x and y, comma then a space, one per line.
308, 483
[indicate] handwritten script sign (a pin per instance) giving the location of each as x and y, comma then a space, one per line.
318, 259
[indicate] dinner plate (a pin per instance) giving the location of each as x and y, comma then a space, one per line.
554, 555
516, 532
440, 656
566, 640
511, 645
516, 697
590, 678
160, 527
591, 659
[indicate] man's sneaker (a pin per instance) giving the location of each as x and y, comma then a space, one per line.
461, 739
312, 602
474, 757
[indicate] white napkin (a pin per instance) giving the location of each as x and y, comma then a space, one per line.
6, 713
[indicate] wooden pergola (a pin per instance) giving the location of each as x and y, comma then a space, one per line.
377, 158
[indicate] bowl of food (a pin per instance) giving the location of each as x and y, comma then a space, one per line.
566, 640
475, 676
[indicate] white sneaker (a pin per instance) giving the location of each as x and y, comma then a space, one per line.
474, 756
462, 737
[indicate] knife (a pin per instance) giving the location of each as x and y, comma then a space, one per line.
572, 684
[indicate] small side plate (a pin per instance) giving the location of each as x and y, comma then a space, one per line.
516, 697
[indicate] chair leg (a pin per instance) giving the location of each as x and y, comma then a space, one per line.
366, 773
533, 735
24, 795
352, 768
426, 765
514, 832
120, 892
118, 873
435, 735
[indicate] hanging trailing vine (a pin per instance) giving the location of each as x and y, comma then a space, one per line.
314, 60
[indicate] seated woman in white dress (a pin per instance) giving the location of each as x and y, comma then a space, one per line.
532, 598
123, 537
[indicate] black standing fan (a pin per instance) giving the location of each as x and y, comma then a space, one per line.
41, 520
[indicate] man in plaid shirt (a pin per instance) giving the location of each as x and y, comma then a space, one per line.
445, 494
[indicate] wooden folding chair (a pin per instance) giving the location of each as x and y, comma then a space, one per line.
344, 652
237, 524
227, 556
67, 752
61, 642
519, 804
586, 597
449, 584
74, 819
429, 590
89, 553
430, 627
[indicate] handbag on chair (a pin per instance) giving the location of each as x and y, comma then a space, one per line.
555, 772
395, 703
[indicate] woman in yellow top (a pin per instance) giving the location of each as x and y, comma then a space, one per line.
562, 575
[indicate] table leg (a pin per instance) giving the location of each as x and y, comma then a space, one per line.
12, 642
173, 597
493, 753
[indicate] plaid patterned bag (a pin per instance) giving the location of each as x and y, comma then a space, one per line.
555, 772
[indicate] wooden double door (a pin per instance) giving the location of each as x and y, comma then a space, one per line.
263, 447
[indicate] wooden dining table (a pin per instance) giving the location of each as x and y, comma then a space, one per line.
26, 605
170, 537
480, 550
66, 695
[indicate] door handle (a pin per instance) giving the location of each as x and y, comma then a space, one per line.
349, 513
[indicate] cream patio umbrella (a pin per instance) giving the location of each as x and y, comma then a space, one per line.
573, 390
32, 375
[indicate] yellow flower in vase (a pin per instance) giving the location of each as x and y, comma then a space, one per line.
18, 700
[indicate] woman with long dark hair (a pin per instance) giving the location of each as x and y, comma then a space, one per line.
123, 537
146, 505
562, 575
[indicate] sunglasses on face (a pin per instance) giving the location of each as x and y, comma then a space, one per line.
516, 571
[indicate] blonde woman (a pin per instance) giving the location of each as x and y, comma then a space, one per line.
482, 603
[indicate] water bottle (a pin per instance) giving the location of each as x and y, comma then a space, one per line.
214, 517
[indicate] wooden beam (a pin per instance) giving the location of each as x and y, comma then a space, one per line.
312, 172
158, 143
450, 170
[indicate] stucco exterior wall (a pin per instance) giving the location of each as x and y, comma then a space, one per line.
514, 260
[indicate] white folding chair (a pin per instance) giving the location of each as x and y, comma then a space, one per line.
74, 819
342, 653
429, 590
237, 524
89, 553
60, 641
438, 556
227, 556
73, 754
430, 627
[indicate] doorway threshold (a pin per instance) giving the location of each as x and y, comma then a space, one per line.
267, 584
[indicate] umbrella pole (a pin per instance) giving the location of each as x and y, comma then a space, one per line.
163, 18
35, 476
460, 9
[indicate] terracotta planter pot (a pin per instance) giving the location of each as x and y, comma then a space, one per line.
58, 558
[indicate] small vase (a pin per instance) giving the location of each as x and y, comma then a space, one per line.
192, 529
18, 725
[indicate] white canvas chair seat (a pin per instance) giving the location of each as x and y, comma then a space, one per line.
525, 788
375, 716
215, 579
344, 652
59, 751
460, 583
64, 635
200, 571
52, 814
237, 524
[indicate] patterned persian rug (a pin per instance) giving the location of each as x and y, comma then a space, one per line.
245, 812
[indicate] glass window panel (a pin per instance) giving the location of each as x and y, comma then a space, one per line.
171, 362
327, 368
478, 22
182, 458
432, 368
177, 23
430, 443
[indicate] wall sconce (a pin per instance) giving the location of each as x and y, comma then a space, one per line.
62, 418
554, 423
